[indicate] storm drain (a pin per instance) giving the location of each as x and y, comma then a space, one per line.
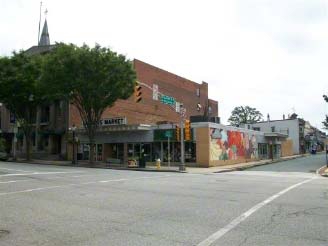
3, 233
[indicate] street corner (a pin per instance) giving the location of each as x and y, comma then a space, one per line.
323, 171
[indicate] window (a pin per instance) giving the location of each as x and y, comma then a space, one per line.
198, 92
12, 118
45, 113
256, 128
273, 129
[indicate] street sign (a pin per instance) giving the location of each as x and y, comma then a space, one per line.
183, 112
168, 100
168, 134
155, 92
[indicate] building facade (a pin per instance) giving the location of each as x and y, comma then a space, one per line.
129, 129
293, 128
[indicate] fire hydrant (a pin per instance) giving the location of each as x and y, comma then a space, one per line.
158, 163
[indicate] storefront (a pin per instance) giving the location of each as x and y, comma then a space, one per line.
123, 144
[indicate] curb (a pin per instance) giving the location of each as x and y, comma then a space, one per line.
257, 164
144, 170
100, 167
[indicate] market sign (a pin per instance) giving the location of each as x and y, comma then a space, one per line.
113, 121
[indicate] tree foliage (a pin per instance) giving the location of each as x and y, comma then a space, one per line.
244, 115
92, 79
20, 90
325, 122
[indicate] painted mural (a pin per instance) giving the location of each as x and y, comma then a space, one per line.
232, 145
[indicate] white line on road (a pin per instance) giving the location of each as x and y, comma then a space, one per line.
15, 181
217, 235
35, 173
80, 184
17, 170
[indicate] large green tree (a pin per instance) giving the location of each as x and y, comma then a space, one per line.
244, 115
20, 90
325, 122
91, 78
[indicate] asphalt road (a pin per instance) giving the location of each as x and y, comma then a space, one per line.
49, 205
307, 164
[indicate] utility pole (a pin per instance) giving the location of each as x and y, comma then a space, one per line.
182, 163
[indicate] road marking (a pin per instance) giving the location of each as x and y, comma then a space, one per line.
17, 170
15, 181
217, 235
35, 173
80, 184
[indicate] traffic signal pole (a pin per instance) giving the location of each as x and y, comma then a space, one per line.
182, 166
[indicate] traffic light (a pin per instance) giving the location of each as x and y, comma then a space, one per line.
177, 133
187, 130
137, 93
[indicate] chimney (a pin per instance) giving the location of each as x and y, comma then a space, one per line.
268, 117
283, 116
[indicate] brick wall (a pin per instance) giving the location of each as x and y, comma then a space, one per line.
149, 111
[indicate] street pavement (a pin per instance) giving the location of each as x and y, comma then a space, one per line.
279, 204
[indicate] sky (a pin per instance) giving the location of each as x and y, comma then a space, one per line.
268, 54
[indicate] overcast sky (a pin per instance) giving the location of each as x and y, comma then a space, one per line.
268, 54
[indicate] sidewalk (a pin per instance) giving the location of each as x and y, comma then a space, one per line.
239, 166
193, 170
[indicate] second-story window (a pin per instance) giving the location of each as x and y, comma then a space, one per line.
198, 92
45, 113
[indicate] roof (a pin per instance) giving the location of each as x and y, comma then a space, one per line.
35, 50
44, 39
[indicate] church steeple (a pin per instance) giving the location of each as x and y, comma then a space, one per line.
44, 39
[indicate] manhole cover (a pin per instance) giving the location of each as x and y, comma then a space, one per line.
3, 232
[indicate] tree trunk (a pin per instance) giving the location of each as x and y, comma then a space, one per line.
92, 147
28, 146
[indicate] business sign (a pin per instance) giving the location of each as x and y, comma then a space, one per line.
168, 134
113, 121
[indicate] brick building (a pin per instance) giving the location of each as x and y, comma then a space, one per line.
129, 128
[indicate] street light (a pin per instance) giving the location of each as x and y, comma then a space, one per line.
73, 129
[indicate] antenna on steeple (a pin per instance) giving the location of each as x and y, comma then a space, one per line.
39, 23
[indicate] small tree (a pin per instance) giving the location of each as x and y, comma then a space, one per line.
325, 122
92, 79
244, 115
20, 90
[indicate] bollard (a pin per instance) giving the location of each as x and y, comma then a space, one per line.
158, 163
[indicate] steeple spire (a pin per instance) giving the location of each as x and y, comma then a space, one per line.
44, 39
